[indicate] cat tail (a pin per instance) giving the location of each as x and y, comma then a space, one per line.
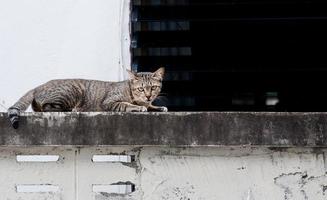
20, 106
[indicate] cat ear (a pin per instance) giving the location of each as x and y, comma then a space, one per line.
131, 74
159, 73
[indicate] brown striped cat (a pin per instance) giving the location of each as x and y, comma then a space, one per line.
65, 95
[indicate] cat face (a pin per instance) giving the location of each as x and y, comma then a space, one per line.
146, 86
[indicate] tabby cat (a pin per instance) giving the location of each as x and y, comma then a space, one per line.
133, 95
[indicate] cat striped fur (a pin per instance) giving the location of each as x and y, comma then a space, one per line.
79, 95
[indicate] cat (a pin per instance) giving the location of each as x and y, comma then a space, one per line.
79, 95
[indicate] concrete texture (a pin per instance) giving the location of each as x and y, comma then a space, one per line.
74, 173
237, 173
192, 156
165, 173
182, 128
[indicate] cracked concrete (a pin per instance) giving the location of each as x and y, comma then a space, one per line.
200, 173
301, 186
234, 173
201, 156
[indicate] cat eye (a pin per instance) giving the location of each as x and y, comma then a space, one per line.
140, 89
154, 87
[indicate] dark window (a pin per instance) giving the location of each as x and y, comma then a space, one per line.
234, 55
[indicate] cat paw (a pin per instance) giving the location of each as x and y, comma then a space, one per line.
142, 109
138, 109
163, 109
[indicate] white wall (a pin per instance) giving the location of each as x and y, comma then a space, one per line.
163, 173
42, 40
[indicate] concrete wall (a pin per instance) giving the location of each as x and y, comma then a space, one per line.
43, 40
170, 128
164, 173
184, 156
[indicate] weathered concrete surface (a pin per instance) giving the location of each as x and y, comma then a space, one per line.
74, 173
190, 128
233, 173
165, 173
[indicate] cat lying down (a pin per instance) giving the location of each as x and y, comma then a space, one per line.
65, 95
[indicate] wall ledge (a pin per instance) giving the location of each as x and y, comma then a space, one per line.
172, 128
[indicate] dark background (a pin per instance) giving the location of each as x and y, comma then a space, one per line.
234, 55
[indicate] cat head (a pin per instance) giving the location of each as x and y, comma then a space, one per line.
146, 86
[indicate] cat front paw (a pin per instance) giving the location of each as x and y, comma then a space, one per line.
137, 109
163, 109
142, 109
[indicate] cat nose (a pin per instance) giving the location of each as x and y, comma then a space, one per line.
148, 97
